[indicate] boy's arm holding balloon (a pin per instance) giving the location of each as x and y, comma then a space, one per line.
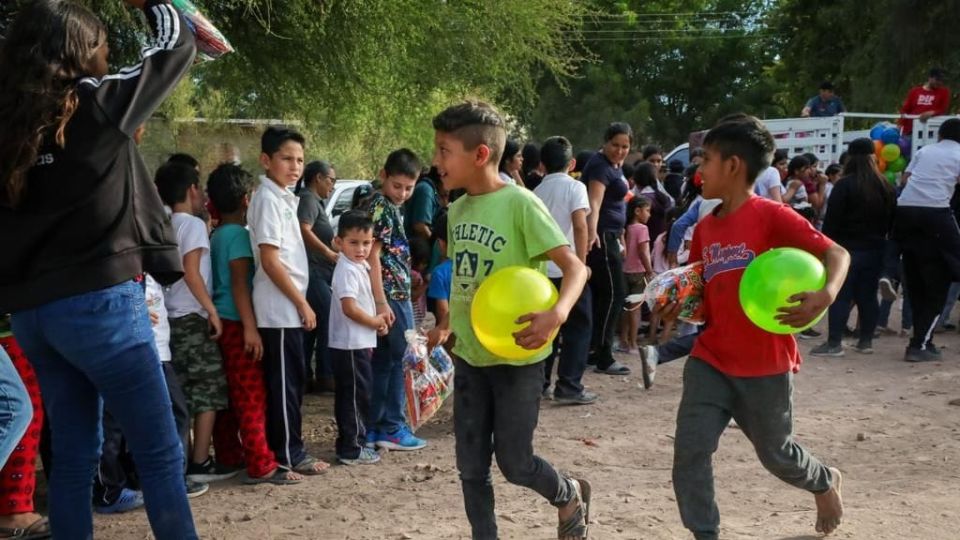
812, 303
543, 323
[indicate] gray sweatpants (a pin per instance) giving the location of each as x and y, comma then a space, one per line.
763, 408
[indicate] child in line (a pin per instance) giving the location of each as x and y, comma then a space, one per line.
354, 325
736, 369
497, 402
637, 266
391, 281
279, 295
194, 321
229, 188
568, 204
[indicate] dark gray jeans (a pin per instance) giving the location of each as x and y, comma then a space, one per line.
763, 408
496, 411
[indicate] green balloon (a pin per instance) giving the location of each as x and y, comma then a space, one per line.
891, 177
771, 279
890, 152
897, 165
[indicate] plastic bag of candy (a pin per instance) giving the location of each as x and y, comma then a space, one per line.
683, 284
211, 44
428, 379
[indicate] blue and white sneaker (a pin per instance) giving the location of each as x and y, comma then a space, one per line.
402, 440
367, 456
372, 437
127, 501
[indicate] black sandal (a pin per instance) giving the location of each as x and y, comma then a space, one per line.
576, 525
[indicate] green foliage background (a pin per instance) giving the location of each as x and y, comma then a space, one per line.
362, 77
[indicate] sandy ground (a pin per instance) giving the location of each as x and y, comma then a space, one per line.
886, 424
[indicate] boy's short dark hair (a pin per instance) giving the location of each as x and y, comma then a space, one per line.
173, 180
275, 136
826, 85
937, 73
950, 130
354, 220
186, 159
402, 162
474, 123
555, 154
833, 168
227, 185
745, 137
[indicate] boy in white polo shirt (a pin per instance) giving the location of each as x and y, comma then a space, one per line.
354, 325
569, 205
279, 294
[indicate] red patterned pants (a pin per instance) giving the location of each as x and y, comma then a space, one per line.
240, 435
19, 476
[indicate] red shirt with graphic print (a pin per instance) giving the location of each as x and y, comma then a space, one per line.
920, 100
730, 342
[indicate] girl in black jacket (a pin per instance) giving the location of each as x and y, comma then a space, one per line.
80, 222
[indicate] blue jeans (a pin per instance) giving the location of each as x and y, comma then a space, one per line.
387, 398
859, 288
15, 408
93, 345
315, 341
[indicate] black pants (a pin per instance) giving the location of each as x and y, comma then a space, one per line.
496, 410
284, 372
859, 288
609, 290
572, 345
181, 414
763, 408
115, 471
315, 341
930, 241
352, 372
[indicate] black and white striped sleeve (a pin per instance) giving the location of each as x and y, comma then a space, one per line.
130, 97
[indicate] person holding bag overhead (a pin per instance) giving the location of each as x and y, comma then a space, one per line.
81, 222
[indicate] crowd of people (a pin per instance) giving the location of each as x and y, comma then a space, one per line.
174, 323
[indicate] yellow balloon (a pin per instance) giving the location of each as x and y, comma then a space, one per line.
501, 299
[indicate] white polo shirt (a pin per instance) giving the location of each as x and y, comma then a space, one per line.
934, 171
272, 220
563, 196
351, 280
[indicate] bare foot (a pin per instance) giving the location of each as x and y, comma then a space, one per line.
19, 521
830, 505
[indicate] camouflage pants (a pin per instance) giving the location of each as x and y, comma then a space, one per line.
197, 362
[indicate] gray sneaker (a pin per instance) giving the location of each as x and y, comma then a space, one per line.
196, 489
650, 358
826, 349
930, 354
864, 347
583, 398
367, 457
887, 291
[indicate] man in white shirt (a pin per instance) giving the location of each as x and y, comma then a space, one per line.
569, 205
926, 230
279, 295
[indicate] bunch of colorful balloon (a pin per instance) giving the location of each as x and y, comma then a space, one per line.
893, 151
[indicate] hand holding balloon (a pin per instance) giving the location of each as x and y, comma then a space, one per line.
811, 306
543, 326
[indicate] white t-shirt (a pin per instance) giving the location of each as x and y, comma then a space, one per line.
351, 280
272, 220
507, 178
191, 234
161, 330
934, 171
563, 196
767, 180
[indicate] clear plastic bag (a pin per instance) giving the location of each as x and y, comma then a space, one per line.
428, 379
683, 284
211, 44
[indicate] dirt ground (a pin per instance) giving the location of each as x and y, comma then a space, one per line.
886, 424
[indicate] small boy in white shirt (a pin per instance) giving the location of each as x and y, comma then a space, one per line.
354, 325
194, 322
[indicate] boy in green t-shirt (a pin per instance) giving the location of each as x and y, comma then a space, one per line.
497, 401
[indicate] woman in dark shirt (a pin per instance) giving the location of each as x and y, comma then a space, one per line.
859, 217
608, 213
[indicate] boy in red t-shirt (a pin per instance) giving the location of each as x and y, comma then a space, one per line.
737, 370
927, 100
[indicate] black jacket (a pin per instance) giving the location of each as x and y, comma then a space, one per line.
855, 224
91, 217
